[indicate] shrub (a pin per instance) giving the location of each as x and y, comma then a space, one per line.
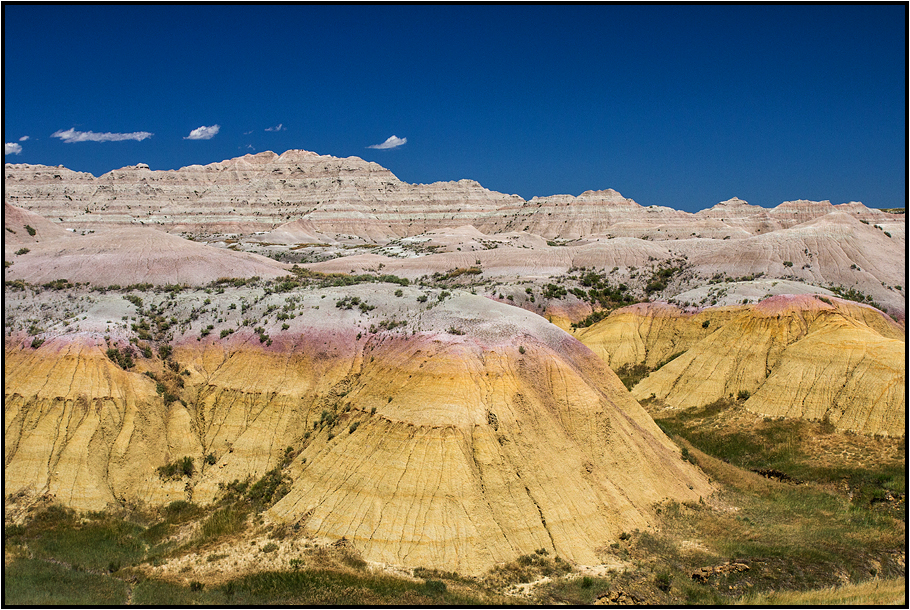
743, 395
30, 230
269, 489
36, 342
178, 469
23, 251
706, 323
521, 349
123, 359
788, 263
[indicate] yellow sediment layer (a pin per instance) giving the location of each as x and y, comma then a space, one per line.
445, 454
795, 356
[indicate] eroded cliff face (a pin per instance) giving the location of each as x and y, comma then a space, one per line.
473, 433
794, 356
323, 198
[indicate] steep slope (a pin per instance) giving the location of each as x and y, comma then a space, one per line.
650, 333
469, 434
794, 356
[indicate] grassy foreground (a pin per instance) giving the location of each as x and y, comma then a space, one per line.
890, 592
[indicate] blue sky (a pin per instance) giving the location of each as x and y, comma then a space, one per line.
682, 106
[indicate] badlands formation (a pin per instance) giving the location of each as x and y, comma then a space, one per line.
430, 367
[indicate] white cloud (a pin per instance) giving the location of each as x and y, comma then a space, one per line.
23, 138
392, 142
11, 148
71, 135
203, 133
278, 127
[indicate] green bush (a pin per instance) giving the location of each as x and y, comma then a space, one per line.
123, 359
30, 230
273, 486
178, 469
23, 251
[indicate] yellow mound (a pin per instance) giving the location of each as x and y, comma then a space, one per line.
446, 451
794, 356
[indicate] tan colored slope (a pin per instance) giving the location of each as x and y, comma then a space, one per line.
466, 451
78, 427
16, 222
796, 355
136, 255
649, 333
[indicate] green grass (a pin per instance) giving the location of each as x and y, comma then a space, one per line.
164, 593
891, 592
574, 592
40, 583
329, 587
780, 445
222, 523
104, 542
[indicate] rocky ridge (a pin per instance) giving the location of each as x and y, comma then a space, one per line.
351, 198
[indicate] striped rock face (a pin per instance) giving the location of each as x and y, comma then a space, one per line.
798, 356
468, 434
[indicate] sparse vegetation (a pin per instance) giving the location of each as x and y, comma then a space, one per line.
177, 469
123, 358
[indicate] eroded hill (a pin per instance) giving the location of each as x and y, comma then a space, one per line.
456, 433
812, 357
